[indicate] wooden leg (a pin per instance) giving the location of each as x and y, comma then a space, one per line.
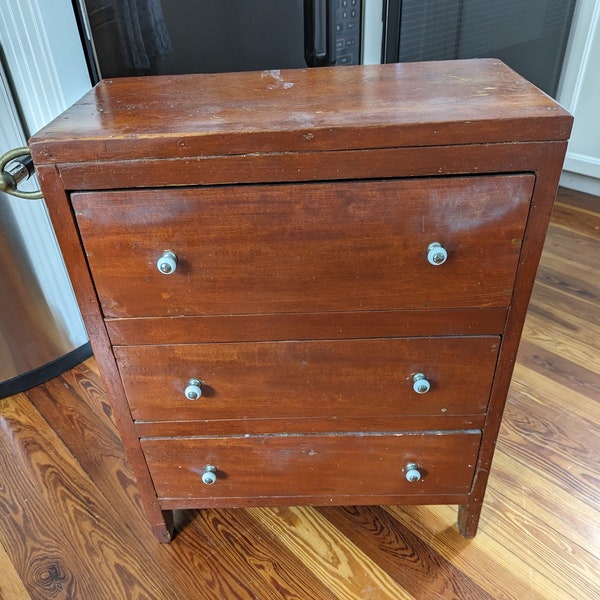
163, 529
468, 519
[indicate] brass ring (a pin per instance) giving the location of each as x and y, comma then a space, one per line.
8, 184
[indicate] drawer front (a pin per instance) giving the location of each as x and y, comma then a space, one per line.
305, 247
309, 465
310, 379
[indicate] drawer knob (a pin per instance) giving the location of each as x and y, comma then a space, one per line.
436, 254
167, 263
420, 383
193, 391
209, 475
412, 473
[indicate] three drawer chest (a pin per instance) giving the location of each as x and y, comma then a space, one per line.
306, 287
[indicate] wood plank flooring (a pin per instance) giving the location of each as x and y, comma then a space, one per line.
71, 525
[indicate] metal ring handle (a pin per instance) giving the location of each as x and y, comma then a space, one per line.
8, 184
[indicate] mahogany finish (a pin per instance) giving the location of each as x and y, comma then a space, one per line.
334, 379
327, 469
303, 298
347, 324
73, 527
248, 249
444, 103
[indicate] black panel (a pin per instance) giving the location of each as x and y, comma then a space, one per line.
529, 35
151, 37
13, 386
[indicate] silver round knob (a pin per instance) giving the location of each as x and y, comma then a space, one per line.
167, 263
193, 391
436, 254
412, 473
209, 475
420, 383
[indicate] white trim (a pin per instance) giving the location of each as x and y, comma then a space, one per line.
583, 163
583, 31
47, 68
372, 32
44, 57
581, 183
11, 132
578, 88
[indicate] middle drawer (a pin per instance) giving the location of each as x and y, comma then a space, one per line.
308, 379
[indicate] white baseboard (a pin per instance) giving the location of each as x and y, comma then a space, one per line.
581, 183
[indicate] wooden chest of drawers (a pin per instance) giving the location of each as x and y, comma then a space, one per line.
306, 287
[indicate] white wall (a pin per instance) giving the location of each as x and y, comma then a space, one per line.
44, 59
579, 92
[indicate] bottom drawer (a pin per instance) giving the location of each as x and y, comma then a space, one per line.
312, 466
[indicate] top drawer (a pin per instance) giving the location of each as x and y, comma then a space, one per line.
308, 247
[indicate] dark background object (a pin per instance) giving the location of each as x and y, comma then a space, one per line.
529, 35
210, 36
149, 37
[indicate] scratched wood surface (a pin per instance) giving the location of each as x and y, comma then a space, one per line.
72, 526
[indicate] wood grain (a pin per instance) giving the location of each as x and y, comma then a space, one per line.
71, 526
302, 166
235, 556
324, 326
332, 557
407, 558
11, 585
305, 240
241, 113
362, 379
312, 469
65, 533
356, 246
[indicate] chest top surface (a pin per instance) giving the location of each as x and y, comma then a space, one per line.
306, 110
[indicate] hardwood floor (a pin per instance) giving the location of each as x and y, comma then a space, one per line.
72, 526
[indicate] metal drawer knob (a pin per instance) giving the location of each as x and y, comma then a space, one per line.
193, 391
420, 383
436, 254
209, 475
412, 473
167, 263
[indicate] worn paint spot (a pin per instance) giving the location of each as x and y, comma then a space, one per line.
277, 80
